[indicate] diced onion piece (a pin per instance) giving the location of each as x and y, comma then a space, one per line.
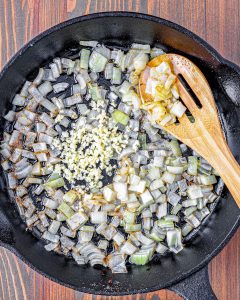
88, 43
45, 118
118, 238
39, 147
122, 191
143, 47
75, 99
133, 227
168, 177
60, 87
103, 244
170, 80
116, 263
50, 203
10, 116
24, 90
128, 248
174, 240
70, 197
192, 165
165, 120
129, 217
173, 198
162, 210
146, 198
143, 239
49, 106
74, 220
120, 117
97, 62
156, 52
188, 203
84, 58
125, 87
194, 192
164, 67
81, 81
18, 100
108, 72
109, 194
140, 61
12, 181
175, 170
165, 224
178, 109
156, 184
208, 180
99, 217
45, 88
175, 148
23, 173
50, 237
161, 249
116, 76
139, 258
35, 93
56, 183
193, 221
186, 229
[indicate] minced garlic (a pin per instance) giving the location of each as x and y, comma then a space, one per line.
87, 151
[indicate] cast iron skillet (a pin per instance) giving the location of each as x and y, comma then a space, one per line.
185, 273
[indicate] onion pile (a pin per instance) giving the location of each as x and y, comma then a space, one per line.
152, 191
161, 85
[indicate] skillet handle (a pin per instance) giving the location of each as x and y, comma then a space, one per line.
195, 287
229, 79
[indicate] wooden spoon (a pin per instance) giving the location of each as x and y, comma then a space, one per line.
205, 135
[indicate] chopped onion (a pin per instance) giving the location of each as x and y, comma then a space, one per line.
50, 237
97, 62
75, 99
45, 88
89, 43
174, 240
49, 106
98, 217
128, 248
34, 92
55, 70
24, 90
158, 193
19, 100
162, 210
45, 118
10, 116
60, 87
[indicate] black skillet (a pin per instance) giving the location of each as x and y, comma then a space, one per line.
185, 273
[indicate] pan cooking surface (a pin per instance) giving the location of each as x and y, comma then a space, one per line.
222, 222
45, 219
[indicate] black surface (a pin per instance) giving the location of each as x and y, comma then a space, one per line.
122, 29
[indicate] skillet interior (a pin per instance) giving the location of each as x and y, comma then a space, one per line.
122, 29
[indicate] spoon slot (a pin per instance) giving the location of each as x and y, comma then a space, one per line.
189, 90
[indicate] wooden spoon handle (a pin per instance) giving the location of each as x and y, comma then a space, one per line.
219, 155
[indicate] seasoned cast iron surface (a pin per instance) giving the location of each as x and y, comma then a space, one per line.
122, 30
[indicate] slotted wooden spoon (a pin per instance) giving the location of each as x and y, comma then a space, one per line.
205, 135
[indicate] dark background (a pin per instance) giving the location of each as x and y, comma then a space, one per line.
216, 21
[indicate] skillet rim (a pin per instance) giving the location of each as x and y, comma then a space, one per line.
214, 53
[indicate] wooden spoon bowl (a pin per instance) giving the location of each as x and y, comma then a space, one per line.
205, 134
